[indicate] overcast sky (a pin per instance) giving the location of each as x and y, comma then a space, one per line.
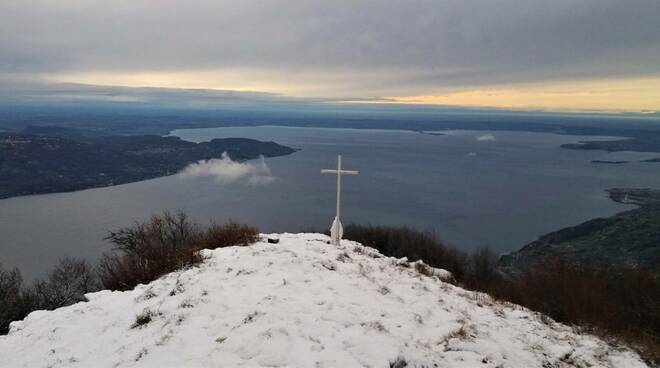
439, 51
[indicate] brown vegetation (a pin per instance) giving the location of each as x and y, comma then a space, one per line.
166, 243
143, 252
14, 302
616, 303
66, 284
148, 250
407, 242
619, 303
229, 234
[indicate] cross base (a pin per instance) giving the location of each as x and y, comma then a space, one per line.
336, 231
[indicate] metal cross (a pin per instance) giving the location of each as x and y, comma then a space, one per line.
336, 231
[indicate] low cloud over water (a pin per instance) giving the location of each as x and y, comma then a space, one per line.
486, 138
227, 171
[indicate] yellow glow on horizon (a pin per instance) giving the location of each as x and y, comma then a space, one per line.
231, 80
634, 94
289, 83
622, 94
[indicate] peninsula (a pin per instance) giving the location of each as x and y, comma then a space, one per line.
630, 238
34, 164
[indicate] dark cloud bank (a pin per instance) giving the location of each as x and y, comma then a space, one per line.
384, 47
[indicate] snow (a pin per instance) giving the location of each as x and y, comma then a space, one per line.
300, 303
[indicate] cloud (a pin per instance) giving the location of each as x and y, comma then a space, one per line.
227, 171
330, 49
486, 138
12, 89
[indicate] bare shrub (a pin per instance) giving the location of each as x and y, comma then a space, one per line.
165, 243
143, 252
15, 303
228, 235
415, 245
120, 271
613, 302
482, 273
66, 284
147, 250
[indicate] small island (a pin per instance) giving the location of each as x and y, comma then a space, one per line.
609, 162
634, 140
652, 160
35, 164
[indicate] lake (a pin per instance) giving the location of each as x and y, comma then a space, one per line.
474, 188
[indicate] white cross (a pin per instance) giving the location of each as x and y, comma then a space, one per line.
336, 231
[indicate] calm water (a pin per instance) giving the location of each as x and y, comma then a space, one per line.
502, 191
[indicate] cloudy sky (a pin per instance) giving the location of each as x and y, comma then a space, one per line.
559, 54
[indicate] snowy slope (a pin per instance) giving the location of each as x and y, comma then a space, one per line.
299, 303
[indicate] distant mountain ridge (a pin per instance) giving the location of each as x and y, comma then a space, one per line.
630, 238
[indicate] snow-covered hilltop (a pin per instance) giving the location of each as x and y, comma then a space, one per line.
300, 303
